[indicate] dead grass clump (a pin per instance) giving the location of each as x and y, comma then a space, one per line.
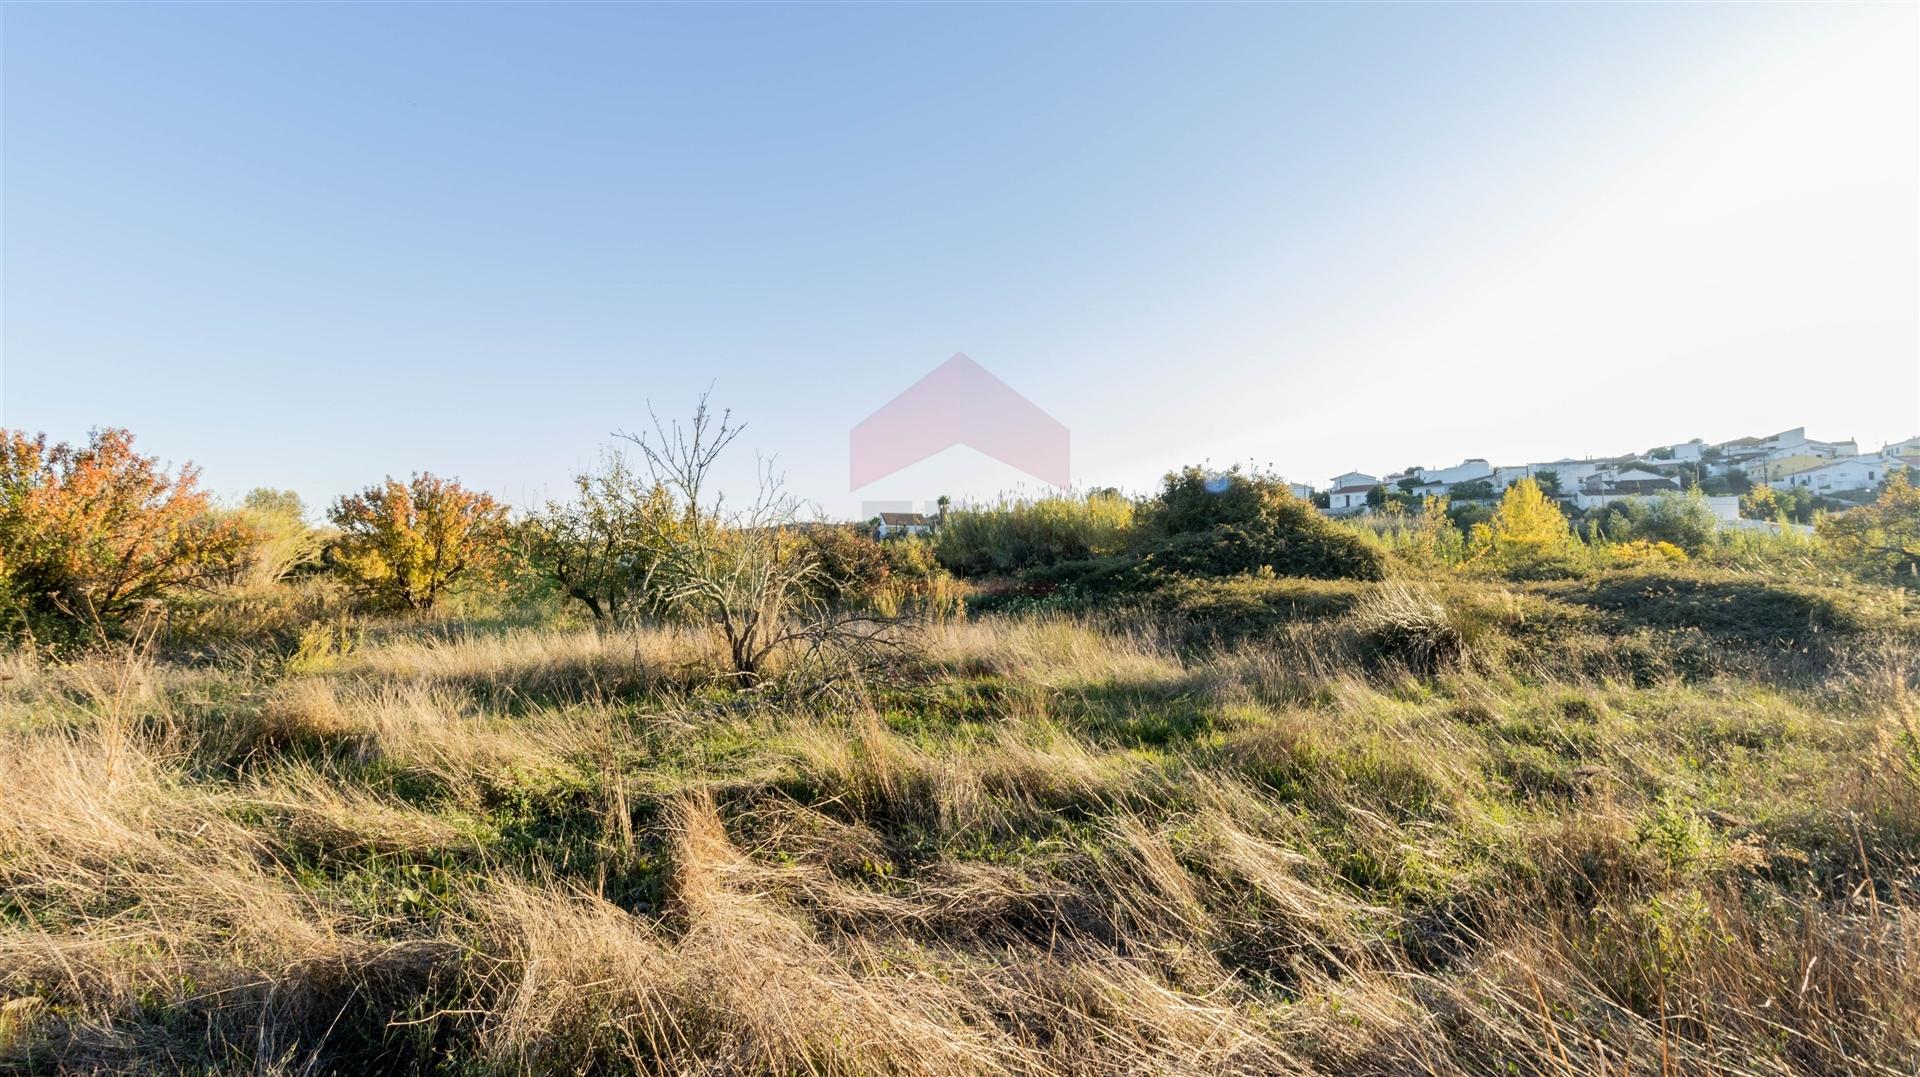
1406, 626
305, 714
152, 908
321, 815
508, 668
740, 986
1055, 650
1690, 981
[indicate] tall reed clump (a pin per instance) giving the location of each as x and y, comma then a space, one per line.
1013, 533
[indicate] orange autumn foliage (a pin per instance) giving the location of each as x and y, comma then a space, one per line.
404, 544
89, 534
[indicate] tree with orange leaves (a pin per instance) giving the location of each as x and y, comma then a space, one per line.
89, 534
404, 544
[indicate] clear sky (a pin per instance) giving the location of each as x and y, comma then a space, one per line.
311, 245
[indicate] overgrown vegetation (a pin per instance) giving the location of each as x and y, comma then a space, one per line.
1237, 789
91, 535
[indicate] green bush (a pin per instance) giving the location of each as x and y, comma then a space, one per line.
1740, 608
1205, 524
1249, 607
1686, 520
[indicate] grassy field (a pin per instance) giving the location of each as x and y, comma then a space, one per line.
1634, 823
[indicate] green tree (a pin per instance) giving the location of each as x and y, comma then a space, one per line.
282, 542
1731, 482
1011, 535
599, 547
1380, 498
273, 502
1793, 504
1435, 539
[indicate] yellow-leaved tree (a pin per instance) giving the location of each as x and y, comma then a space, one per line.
405, 544
1528, 531
1882, 540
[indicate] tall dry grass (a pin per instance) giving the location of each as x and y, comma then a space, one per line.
1387, 843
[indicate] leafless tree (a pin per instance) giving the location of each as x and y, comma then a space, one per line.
747, 571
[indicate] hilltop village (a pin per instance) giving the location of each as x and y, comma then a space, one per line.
1805, 473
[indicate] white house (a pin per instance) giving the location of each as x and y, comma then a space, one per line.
1349, 493
1504, 477
1785, 443
1465, 471
1571, 473
1748, 452
1847, 473
894, 524
1611, 486
1726, 507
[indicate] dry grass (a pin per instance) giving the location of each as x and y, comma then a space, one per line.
1070, 848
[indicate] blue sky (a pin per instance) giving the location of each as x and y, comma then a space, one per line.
311, 245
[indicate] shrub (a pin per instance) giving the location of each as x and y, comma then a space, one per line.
1683, 520
853, 565
912, 557
1882, 540
280, 541
1526, 536
1250, 607
1741, 608
599, 547
1205, 524
1429, 539
403, 545
1641, 552
1012, 535
89, 534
